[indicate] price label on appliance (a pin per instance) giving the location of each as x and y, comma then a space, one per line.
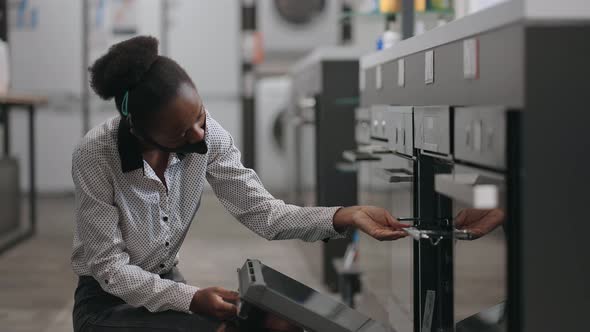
471, 58
401, 72
429, 67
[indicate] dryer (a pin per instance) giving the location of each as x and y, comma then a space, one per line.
297, 26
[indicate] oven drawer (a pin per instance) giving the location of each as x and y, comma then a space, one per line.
432, 129
480, 136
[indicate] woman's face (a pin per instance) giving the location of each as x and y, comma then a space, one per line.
182, 121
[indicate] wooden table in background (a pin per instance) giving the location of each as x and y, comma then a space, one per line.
9, 102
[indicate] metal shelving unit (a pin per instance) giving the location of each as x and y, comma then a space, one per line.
325, 95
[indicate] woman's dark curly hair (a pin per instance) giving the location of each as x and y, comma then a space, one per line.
134, 67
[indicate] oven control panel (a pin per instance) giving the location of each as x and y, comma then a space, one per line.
400, 129
432, 129
480, 136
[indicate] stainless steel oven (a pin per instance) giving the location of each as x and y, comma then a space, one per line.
366, 152
460, 203
433, 294
388, 181
477, 188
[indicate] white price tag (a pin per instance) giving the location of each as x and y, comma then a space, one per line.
429, 67
401, 72
470, 58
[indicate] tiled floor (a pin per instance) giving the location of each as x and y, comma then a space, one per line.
37, 284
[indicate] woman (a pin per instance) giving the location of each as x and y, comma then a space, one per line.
139, 179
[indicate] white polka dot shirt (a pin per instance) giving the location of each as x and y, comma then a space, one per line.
129, 227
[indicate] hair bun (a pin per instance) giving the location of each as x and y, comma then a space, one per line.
122, 67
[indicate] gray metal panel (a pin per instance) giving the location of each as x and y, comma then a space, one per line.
556, 10
500, 81
432, 129
480, 136
333, 53
555, 182
9, 196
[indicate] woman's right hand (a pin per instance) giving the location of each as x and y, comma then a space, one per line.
215, 302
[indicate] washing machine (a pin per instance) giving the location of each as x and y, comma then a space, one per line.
297, 26
272, 98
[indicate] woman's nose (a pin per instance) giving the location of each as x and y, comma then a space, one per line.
196, 134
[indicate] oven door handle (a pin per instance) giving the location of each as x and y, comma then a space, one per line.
435, 236
358, 156
306, 103
476, 190
301, 120
395, 175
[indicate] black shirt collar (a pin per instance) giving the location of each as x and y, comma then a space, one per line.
129, 148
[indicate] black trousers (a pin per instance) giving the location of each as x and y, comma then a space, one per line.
98, 311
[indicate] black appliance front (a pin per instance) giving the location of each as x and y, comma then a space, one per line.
462, 185
389, 182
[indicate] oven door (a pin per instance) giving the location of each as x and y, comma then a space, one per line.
388, 265
479, 258
400, 302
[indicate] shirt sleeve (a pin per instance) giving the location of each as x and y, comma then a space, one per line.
241, 192
97, 221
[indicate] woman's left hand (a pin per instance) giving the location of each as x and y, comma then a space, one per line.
375, 221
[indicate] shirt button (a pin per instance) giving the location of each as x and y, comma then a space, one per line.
167, 244
162, 266
165, 218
